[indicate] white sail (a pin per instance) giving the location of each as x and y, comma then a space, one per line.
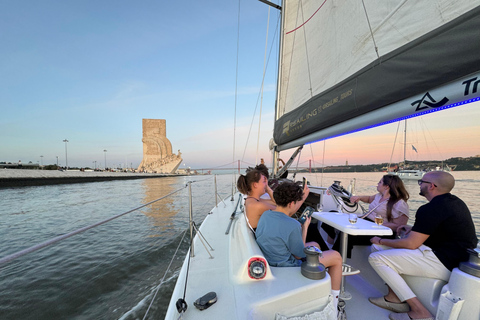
341, 60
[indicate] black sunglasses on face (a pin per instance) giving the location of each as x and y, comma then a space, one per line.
423, 181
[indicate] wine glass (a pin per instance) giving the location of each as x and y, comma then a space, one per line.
352, 218
378, 220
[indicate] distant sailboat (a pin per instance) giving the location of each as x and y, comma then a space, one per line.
404, 172
411, 172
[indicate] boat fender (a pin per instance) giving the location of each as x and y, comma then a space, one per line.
181, 305
312, 268
206, 301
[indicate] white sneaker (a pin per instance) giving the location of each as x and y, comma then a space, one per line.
348, 270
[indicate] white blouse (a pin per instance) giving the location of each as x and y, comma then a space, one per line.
399, 208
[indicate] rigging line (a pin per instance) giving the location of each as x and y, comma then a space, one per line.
202, 239
236, 90
306, 54
186, 275
195, 181
282, 111
323, 162
394, 143
223, 165
263, 82
164, 275
298, 160
313, 159
425, 128
245, 162
370, 27
308, 19
258, 98
68, 235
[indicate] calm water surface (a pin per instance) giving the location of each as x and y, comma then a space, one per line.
111, 272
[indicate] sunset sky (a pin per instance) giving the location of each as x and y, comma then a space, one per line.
89, 71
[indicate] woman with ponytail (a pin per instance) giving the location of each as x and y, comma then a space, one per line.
254, 184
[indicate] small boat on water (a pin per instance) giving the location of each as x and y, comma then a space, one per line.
406, 172
344, 67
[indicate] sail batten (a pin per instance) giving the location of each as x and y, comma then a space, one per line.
431, 60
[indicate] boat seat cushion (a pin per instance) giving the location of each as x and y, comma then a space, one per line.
243, 248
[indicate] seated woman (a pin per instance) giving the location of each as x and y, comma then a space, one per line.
390, 202
254, 184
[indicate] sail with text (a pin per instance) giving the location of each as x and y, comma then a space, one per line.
351, 65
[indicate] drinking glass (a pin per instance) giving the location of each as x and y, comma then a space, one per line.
378, 220
352, 218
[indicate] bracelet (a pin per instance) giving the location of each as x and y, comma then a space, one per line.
380, 241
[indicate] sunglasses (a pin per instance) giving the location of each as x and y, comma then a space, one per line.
423, 181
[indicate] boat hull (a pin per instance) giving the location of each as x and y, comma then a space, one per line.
409, 174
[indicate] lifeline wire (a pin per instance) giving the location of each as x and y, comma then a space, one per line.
168, 268
68, 235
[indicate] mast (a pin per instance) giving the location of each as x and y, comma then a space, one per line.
405, 146
277, 104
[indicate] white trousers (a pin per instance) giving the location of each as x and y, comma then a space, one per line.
390, 263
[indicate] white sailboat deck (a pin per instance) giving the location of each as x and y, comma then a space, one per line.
284, 290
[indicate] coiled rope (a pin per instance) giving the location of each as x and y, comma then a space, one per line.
342, 197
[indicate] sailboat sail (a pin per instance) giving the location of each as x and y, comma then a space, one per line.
349, 65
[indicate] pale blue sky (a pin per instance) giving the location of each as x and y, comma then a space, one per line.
89, 71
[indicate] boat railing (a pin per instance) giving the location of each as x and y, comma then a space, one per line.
192, 227
49, 242
234, 213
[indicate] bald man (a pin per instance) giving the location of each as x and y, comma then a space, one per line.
437, 243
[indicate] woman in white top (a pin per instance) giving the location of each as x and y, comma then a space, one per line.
390, 202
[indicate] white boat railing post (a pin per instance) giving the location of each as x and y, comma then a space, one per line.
345, 295
192, 253
352, 185
216, 194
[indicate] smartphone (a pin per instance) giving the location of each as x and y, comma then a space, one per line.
306, 213
304, 182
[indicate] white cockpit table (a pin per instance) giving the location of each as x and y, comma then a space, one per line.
363, 227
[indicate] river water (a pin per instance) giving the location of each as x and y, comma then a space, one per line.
112, 271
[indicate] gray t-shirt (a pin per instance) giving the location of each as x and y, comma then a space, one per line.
280, 238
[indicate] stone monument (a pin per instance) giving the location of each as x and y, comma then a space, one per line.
157, 149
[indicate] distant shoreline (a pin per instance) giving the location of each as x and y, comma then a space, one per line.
18, 178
